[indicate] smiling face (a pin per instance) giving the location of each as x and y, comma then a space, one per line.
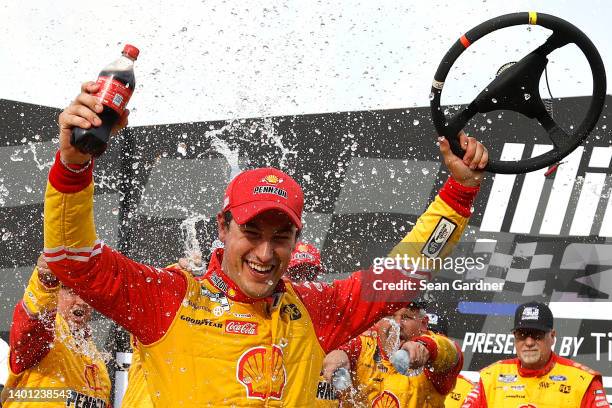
533, 347
73, 309
258, 252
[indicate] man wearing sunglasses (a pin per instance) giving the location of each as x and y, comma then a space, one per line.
537, 377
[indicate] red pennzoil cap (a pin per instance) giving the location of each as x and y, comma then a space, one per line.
253, 192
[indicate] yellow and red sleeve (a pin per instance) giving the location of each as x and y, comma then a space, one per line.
328, 305
141, 298
32, 330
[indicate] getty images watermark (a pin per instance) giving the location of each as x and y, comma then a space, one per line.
417, 269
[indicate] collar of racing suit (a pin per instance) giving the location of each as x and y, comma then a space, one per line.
221, 281
526, 372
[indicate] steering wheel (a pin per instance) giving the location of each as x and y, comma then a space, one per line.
515, 88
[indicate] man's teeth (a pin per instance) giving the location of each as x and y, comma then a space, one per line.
259, 267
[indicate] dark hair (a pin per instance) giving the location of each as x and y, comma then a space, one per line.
227, 218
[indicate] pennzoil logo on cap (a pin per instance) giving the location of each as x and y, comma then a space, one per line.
270, 190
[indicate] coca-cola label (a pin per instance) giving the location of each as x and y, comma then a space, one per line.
113, 94
240, 327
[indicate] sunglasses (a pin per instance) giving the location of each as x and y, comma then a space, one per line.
522, 334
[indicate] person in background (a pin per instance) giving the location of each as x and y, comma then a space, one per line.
537, 377
51, 347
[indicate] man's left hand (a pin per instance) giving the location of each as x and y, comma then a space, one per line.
469, 170
419, 355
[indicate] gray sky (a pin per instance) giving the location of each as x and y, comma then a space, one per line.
223, 59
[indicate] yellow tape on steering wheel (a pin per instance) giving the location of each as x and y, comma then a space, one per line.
533, 18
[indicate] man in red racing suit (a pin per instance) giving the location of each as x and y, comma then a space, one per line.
243, 335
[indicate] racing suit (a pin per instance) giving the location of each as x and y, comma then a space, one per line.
455, 398
45, 355
205, 343
560, 383
137, 393
382, 386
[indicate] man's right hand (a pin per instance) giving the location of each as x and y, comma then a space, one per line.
333, 361
82, 112
44, 273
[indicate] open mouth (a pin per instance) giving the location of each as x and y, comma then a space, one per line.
260, 270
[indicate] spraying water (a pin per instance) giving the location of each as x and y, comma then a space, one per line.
220, 141
193, 251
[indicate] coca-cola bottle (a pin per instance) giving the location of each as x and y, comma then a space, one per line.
117, 83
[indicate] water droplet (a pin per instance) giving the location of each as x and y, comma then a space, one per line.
6, 236
493, 100
424, 171
182, 369
115, 211
415, 122
432, 96
527, 96
283, 342
604, 126
483, 128
270, 282
489, 121
182, 149
149, 279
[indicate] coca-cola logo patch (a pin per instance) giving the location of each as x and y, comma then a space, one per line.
240, 327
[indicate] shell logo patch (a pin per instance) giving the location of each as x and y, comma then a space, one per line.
272, 179
91, 377
386, 400
252, 369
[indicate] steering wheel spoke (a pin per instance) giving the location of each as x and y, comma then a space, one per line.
556, 134
555, 41
516, 88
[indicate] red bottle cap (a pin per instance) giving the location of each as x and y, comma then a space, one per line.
131, 51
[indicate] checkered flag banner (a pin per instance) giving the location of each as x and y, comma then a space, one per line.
551, 267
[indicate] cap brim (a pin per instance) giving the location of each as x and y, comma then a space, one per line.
532, 325
246, 212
